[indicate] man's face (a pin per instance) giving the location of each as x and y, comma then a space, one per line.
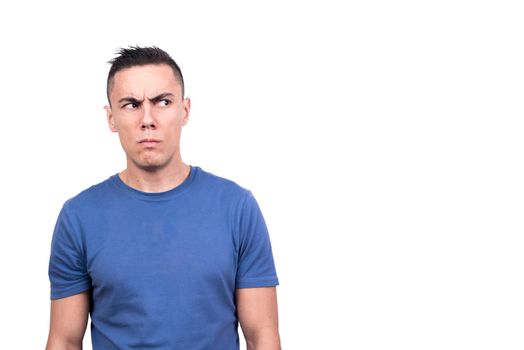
148, 113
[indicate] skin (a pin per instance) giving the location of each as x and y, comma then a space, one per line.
68, 322
147, 102
257, 311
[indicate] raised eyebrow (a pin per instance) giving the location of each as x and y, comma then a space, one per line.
160, 97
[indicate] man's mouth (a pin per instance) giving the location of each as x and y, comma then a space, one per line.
148, 142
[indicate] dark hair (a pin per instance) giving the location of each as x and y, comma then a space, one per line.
141, 56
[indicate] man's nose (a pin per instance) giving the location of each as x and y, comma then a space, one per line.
147, 119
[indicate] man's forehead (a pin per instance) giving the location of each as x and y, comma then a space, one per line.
148, 77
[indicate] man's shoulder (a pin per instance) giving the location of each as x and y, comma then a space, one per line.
89, 196
222, 184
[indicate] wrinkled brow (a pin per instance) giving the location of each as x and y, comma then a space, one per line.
152, 99
161, 97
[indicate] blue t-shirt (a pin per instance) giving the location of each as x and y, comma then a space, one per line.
163, 267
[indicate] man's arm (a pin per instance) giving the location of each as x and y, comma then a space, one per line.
68, 322
257, 312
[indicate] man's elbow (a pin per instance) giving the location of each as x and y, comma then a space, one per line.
263, 339
57, 344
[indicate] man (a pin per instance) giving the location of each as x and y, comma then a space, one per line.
163, 255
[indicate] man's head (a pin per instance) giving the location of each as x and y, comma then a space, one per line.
147, 107
141, 56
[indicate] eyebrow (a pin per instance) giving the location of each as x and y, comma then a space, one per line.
153, 99
161, 97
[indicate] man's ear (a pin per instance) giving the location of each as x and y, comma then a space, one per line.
110, 119
187, 108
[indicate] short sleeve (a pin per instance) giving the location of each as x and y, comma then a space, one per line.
67, 267
256, 267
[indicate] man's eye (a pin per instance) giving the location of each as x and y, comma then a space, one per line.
164, 103
130, 105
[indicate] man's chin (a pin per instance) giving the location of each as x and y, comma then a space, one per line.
151, 166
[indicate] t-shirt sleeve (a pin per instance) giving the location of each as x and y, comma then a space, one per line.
67, 266
256, 266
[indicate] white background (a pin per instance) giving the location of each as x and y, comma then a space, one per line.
383, 141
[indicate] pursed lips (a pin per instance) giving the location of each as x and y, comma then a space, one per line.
149, 142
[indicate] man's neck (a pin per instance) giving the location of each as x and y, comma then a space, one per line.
155, 181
